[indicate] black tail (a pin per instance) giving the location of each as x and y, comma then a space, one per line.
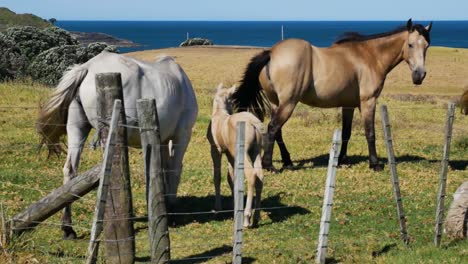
249, 96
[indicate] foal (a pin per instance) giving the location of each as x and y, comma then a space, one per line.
222, 136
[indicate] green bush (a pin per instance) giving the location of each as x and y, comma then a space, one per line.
12, 62
32, 41
49, 66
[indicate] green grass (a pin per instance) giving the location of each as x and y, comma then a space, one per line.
364, 226
9, 19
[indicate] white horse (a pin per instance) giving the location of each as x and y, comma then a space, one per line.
73, 106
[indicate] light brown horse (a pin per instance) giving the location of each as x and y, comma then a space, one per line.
464, 102
349, 74
222, 135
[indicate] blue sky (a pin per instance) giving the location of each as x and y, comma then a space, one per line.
242, 9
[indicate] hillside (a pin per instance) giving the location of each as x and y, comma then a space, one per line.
9, 18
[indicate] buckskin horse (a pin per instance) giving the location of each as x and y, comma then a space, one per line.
71, 110
349, 74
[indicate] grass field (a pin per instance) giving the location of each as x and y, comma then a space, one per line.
364, 227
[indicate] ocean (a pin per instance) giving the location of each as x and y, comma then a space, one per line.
164, 34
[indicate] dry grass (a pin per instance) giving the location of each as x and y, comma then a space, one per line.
364, 224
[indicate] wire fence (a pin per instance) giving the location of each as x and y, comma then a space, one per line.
214, 239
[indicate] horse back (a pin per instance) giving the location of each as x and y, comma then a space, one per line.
163, 80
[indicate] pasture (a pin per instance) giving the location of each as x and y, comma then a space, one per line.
364, 226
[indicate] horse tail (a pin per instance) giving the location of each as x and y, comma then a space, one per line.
249, 96
52, 119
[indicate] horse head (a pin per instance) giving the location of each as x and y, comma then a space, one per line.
414, 49
223, 99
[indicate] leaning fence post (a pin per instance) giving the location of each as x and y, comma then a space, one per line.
91, 256
119, 235
239, 193
157, 213
393, 171
328, 198
443, 175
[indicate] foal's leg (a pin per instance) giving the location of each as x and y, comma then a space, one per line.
216, 157
230, 175
368, 117
250, 176
279, 117
347, 123
77, 130
258, 188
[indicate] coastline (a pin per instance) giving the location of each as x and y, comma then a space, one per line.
90, 37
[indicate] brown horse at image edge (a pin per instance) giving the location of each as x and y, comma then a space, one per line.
349, 74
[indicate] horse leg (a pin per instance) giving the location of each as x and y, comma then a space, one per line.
285, 156
258, 188
216, 157
347, 123
279, 117
250, 176
230, 175
179, 143
77, 131
368, 117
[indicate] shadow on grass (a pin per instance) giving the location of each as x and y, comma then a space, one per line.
191, 204
384, 250
322, 161
207, 255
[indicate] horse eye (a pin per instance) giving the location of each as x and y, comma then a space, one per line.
410, 45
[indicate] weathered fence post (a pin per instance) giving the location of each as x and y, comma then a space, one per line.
239, 193
328, 198
439, 218
101, 198
119, 235
393, 171
157, 214
55, 201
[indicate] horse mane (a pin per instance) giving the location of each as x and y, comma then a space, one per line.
358, 37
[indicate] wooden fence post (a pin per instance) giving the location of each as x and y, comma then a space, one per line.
393, 171
119, 235
55, 201
101, 197
239, 193
157, 214
328, 197
443, 175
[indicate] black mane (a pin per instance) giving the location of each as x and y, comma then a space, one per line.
357, 37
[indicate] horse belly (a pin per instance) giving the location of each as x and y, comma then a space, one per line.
328, 98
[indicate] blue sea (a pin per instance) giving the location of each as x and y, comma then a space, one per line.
163, 34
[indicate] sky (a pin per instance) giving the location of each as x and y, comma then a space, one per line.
242, 9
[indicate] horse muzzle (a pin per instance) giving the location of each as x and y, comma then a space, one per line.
418, 76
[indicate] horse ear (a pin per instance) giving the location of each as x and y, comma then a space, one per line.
429, 27
409, 25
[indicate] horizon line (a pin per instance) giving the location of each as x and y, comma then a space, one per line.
324, 20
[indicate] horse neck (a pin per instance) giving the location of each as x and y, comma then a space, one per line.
388, 51
219, 110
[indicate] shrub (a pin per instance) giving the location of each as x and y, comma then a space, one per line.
32, 41
48, 67
12, 62
196, 42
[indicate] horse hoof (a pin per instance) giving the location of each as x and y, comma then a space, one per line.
377, 167
69, 235
343, 160
287, 166
272, 169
